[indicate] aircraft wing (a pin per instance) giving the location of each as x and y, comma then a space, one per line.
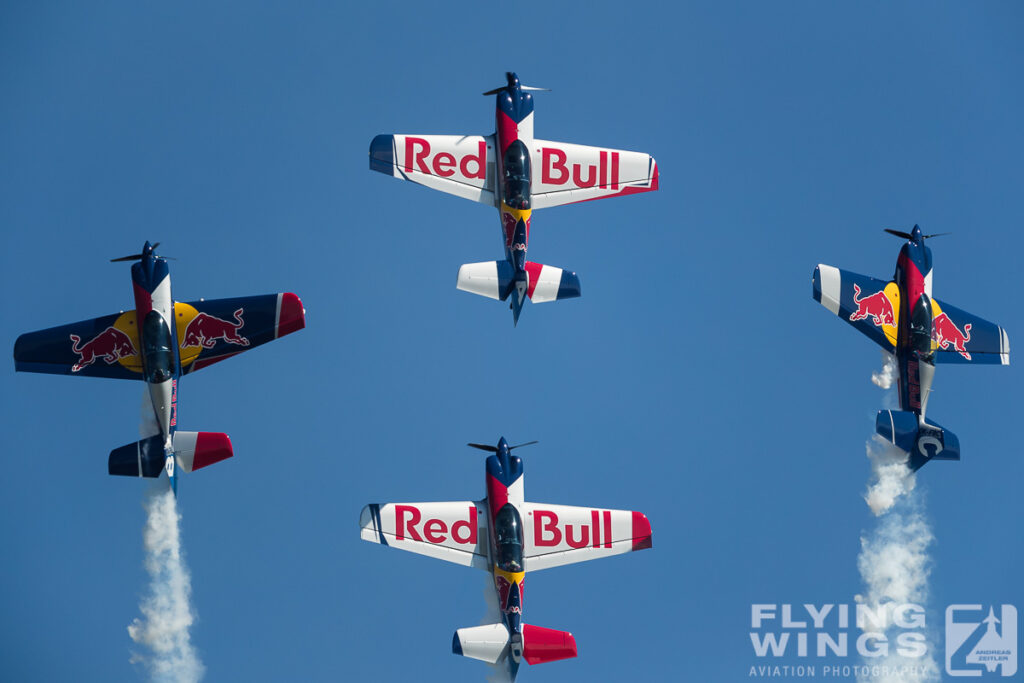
454, 532
562, 534
960, 337
462, 165
869, 304
565, 173
107, 346
214, 329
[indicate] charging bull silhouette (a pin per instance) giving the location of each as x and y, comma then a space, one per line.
111, 345
876, 306
945, 332
204, 330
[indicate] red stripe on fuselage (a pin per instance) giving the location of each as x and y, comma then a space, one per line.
497, 495
143, 302
507, 129
913, 281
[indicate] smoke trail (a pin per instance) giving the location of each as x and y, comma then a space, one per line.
895, 561
890, 476
888, 374
895, 564
166, 612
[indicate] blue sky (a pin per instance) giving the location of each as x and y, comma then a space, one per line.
695, 380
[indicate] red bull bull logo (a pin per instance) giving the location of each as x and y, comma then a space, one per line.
504, 586
205, 330
876, 306
111, 345
509, 221
945, 332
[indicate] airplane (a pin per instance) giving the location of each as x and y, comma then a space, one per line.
172, 339
470, 166
507, 536
903, 318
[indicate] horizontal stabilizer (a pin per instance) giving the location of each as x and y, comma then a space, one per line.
922, 442
492, 279
486, 643
542, 645
195, 450
143, 458
548, 283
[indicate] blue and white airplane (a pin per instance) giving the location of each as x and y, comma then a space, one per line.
902, 317
158, 342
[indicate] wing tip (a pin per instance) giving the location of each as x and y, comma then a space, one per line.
641, 532
382, 154
291, 316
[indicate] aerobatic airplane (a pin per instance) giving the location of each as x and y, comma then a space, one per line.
499, 170
158, 342
507, 536
902, 317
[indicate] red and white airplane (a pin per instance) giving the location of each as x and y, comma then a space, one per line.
498, 170
507, 536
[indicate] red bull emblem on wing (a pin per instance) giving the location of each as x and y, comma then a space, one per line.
877, 306
111, 345
204, 330
945, 332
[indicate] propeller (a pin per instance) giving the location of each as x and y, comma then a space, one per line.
907, 235
494, 449
513, 81
136, 257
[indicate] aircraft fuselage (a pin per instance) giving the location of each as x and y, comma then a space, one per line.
914, 333
505, 526
158, 338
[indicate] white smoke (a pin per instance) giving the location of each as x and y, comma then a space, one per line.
889, 372
890, 476
895, 561
167, 612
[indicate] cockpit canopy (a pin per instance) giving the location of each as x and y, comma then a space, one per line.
158, 354
516, 165
921, 327
508, 539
